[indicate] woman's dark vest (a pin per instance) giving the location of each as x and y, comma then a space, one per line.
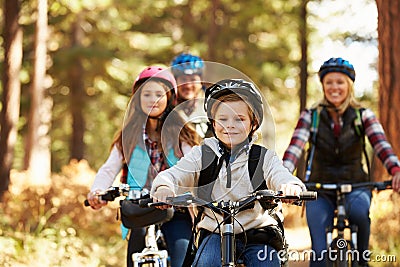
338, 159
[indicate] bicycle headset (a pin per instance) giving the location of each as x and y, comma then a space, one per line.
337, 65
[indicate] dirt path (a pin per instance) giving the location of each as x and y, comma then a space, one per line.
299, 240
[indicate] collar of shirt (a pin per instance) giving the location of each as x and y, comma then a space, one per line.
242, 148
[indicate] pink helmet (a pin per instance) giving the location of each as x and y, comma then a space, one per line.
155, 72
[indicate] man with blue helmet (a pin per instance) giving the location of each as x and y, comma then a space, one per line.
188, 71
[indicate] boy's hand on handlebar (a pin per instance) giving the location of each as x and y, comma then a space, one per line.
396, 182
161, 194
95, 201
290, 190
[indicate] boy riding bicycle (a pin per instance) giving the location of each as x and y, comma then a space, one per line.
235, 110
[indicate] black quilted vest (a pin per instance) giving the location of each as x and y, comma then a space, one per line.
338, 159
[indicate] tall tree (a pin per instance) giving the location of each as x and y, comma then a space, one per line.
304, 54
37, 150
389, 72
77, 96
303, 36
11, 90
213, 30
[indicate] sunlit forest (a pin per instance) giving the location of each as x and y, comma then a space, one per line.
69, 100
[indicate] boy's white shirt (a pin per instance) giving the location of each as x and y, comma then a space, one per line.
184, 175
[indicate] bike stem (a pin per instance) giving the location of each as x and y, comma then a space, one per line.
227, 240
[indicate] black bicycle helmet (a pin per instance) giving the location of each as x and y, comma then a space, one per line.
187, 64
337, 65
235, 86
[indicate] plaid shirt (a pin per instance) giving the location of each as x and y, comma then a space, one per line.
373, 130
156, 158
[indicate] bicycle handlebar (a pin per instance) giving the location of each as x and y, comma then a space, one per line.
347, 187
186, 200
111, 193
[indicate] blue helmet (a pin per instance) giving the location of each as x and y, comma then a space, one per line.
187, 64
337, 65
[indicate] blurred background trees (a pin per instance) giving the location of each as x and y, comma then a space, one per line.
75, 92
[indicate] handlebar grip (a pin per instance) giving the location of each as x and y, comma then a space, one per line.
308, 195
144, 203
387, 184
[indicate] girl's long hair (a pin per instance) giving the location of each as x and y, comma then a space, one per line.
135, 119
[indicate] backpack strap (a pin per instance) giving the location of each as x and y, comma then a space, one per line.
208, 175
313, 137
358, 125
209, 161
209, 172
255, 164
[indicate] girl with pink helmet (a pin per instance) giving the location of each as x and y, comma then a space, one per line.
143, 148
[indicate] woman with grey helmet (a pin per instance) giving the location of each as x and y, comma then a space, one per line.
235, 109
188, 71
335, 127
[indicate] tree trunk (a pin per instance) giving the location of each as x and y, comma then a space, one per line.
303, 75
11, 90
37, 150
304, 55
389, 74
77, 97
212, 32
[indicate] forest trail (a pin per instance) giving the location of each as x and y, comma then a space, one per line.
298, 239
